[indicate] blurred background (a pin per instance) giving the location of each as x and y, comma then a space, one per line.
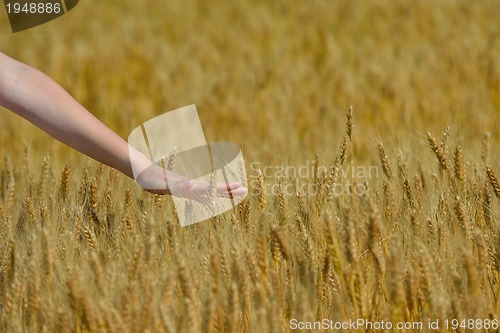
276, 77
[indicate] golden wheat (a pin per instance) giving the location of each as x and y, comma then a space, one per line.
83, 249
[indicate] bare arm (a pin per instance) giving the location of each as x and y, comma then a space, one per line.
36, 97
40, 100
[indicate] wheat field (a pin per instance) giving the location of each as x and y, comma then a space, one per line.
370, 135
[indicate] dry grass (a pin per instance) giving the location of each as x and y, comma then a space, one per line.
82, 249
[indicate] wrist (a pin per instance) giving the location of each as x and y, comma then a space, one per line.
138, 162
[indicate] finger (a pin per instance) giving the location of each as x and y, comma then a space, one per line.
228, 186
240, 192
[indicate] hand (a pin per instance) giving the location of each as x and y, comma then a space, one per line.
157, 180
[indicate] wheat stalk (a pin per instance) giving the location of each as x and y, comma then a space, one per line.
385, 163
64, 187
459, 165
261, 190
438, 151
495, 184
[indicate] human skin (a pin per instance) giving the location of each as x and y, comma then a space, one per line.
36, 97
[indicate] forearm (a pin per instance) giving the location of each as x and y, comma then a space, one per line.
39, 99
